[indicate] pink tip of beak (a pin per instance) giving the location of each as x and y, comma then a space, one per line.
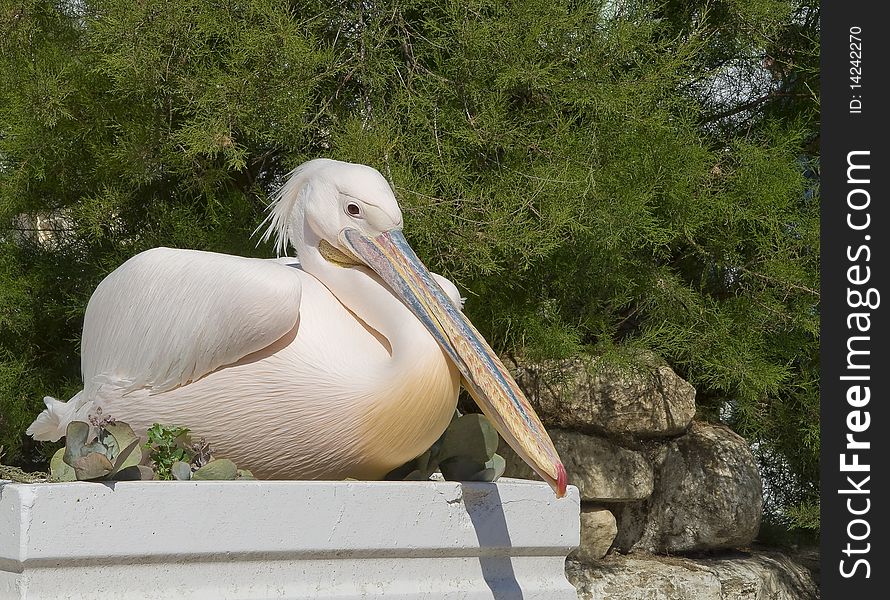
562, 480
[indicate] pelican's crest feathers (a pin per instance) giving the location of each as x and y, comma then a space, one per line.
285, 200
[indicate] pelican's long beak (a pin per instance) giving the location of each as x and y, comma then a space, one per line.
484, 375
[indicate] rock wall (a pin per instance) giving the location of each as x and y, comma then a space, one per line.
654, 484
708, 496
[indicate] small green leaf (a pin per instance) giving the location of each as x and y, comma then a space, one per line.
59, 470
418, 469
121, 432
76, 447
76, 434
494, 468
181, 471
166, 445
469, 436
244, 474
108, 443
125, 458
94, 465
124, 435
145, 473
461, 469
221, 468
132, 473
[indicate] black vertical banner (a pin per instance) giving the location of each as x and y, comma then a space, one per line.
855, 366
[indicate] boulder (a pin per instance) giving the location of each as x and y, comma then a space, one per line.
583, 394
759, 576
602, 470
598, 530
707, 496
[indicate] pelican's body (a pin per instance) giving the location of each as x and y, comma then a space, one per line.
326, 397
347, 363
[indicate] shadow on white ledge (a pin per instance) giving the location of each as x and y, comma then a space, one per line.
286, 539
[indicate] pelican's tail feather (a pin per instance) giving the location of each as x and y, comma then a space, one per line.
51, 424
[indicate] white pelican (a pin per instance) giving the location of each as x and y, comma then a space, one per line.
347, 363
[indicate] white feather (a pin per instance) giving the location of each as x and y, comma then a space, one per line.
168, 317
50, 425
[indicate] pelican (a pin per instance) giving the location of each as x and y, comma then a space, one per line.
344, 363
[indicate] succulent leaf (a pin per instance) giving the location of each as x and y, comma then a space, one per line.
131, 473
181, 471
221, 468
108, 443
464, 452
124, 458
94, 465
124, 436
76, 434
59, 470
469, 436
145, 473
494, 468
461, 469
76, 447
418, 469
464, 469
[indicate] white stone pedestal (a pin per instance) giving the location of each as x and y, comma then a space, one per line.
286, 539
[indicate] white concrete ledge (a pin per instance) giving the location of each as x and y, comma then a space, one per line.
286, 539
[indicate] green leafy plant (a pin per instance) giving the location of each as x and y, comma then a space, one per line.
465, 452
176, 456
166, 445
105, 449
101, 450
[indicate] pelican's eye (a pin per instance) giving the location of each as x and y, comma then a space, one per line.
353, 209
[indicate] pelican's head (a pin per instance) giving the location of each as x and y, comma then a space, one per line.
349, 213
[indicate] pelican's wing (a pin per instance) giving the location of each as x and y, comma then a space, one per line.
167, 317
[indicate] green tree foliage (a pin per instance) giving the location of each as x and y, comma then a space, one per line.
602, 176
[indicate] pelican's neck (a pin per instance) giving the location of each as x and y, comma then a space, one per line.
416, 387
361, 291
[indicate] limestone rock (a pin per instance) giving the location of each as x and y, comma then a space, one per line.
602, 470
759, 576
598, 530
580, 394
770, 576
707, 495
631, 578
